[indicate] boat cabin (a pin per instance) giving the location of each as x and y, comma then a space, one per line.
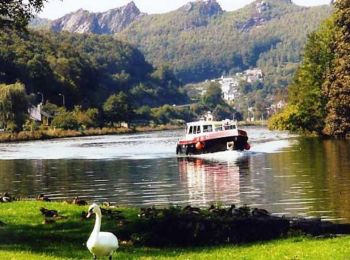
202, 127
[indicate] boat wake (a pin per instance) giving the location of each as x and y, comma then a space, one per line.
258, 148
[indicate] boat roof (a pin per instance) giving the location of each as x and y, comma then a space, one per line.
205, 122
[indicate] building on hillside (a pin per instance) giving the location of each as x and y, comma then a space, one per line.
254, 75
229, 87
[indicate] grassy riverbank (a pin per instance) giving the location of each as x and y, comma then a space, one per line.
60, 133
25, 236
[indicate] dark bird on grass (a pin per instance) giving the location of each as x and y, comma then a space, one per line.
42, 197
231, 210
49, 213
217, 211
192, 210
260, 212
151, 212
79, 202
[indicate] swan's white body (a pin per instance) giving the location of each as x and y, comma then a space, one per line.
100, 243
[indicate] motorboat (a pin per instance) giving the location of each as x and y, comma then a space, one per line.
208, 136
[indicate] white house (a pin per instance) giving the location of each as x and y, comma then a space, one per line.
254, 75
229, 87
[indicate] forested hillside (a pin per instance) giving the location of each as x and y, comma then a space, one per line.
200, 41
82, 80
85, 68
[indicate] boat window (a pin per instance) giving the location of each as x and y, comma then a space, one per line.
207, 128
218, 128
196, 129
190, 131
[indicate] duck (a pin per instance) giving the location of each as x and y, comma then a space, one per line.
78, 201
49, 213
43, 197
100, 243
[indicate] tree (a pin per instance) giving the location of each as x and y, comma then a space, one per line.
337, 84
18, 12
13, 106
213, 96
65, 120
118, 108
306, 99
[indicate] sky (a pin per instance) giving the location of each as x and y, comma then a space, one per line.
57, 8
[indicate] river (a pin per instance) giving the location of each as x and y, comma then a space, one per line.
285, 174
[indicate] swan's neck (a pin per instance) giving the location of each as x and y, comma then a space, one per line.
97, 226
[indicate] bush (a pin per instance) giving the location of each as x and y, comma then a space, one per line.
288, 119
65, 120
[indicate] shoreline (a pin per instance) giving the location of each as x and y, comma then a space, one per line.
50, 134
41, 135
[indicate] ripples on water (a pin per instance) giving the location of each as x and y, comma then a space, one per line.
282, 173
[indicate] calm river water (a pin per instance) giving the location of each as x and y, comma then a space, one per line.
285, 174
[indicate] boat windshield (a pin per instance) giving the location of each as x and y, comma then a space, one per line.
229, 127
207, 128
195, 129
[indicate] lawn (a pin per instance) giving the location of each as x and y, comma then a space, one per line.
25, 236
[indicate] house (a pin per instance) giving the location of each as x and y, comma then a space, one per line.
37, 114
229, 87
254, 75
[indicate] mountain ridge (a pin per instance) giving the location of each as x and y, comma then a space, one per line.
108, 22
207, 41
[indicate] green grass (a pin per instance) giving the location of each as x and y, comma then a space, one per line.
25, 237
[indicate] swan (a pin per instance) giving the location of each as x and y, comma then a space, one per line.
100, 243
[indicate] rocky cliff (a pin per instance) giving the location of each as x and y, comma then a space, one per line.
109, 22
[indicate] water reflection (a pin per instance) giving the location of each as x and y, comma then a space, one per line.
301, 177
210, 182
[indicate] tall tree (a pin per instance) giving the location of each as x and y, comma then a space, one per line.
18, 12
118, 108
213, 96
13, 106
306, 105
337, 84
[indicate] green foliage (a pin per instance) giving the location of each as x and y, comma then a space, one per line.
86, 119
212, 96
13, 106
77, 119
118, 108
18, 13
306, 109
288, 119
87, 69
319, 97
337, 84
65, 120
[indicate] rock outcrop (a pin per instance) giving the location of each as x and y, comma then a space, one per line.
109, 22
